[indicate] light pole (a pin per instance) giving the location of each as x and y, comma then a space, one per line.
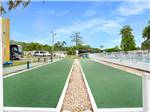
53, 36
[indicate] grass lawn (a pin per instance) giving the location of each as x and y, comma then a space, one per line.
40, 87
111, 87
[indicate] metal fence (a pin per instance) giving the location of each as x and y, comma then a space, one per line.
134, 59
138, 59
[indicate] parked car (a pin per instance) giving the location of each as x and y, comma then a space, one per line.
41, 53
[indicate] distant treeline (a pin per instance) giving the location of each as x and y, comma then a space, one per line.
117, 49
32, 46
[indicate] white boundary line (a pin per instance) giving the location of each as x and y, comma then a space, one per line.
94, 106
28, 109
61, 99
96, 109
32, 109
121, 110
12, 74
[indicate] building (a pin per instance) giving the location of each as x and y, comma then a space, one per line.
84, 53
62, 54
6, 39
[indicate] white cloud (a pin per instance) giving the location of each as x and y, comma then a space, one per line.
110, 25
90, 26
53, 12
81, 26
129, 8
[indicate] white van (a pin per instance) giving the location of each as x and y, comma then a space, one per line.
41, 53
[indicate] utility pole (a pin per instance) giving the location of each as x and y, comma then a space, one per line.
53, 36
75, 38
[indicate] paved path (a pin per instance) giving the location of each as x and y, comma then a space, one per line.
13, 69
76, 98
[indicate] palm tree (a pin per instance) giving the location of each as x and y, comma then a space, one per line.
13, 5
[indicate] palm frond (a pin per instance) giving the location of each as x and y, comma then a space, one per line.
25, 3
17, 3
11, 5
2, 10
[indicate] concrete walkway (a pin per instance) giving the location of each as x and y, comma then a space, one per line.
76, 98
14, 69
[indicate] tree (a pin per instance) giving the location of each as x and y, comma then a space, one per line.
13, 5
77, 39
46, 48
127, 42
146, 31
146, 44
113, 49
70, 50
146, 36
59, 45
84, 47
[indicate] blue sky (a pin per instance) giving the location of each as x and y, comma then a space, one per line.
98, 22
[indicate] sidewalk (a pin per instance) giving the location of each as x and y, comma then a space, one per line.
13, 69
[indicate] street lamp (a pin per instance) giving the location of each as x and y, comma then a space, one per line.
53, 36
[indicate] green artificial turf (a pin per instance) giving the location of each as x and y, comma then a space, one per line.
111, 87
40, 87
